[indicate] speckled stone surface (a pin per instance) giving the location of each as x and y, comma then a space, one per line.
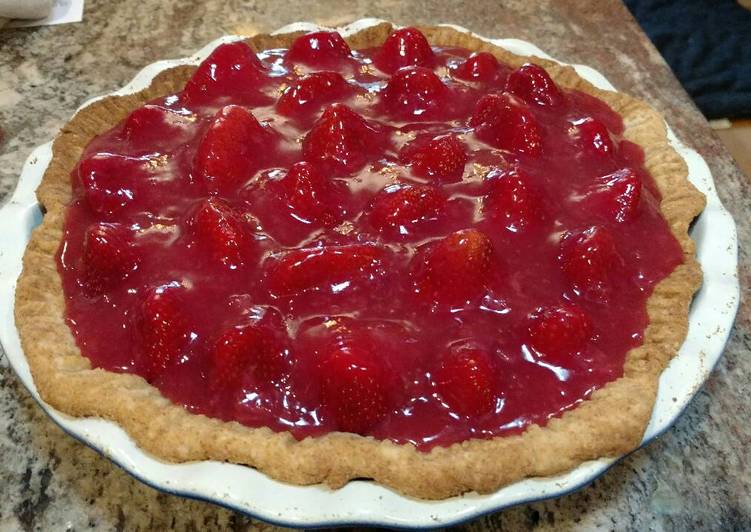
696, 476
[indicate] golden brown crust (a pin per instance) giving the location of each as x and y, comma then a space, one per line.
610, 423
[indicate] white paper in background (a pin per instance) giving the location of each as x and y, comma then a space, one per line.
63, 11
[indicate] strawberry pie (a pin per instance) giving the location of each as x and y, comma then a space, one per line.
407, 255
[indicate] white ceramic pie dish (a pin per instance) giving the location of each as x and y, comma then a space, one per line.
362, 502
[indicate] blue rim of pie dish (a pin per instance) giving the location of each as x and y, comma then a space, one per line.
337, 524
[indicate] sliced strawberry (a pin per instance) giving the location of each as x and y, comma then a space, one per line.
588, 258
534, 85
222, 233
257, 345
453, 270
328, 269
341, 142
616, 196
481, 66
512, 201
320, 48
163, 326
231, 150
307, 96
355, 387
556, 333
466, 380
414, 92
109, 256
442, 158
404, 47
231, 70
109, 181
311, 196
593, 137
397, 209
504, 123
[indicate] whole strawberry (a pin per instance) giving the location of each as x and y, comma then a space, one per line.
481, 66
398, 209
404, 47
231, 70
341, 142
454, 270
319, 48
414, 93
306, 97
534, 85
441, 158
110, 182
221, 232
466, 380
588, 259
257, 345
503, 122
232, 150
164, 329
593, 138
513, 202
355, 387
326, 269
311, 196
615, 196
556, 333
109, 256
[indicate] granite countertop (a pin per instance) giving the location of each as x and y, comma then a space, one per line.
696, 476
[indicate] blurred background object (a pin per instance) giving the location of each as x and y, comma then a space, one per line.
30, 13
707, 43
24, 9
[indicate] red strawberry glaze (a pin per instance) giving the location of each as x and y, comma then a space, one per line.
467, 292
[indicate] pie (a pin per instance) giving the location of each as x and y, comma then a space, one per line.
407, 255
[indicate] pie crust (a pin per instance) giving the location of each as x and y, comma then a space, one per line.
610, 423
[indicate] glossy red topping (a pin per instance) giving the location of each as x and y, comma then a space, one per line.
435, 249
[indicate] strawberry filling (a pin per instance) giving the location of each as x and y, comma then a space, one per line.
417, 244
